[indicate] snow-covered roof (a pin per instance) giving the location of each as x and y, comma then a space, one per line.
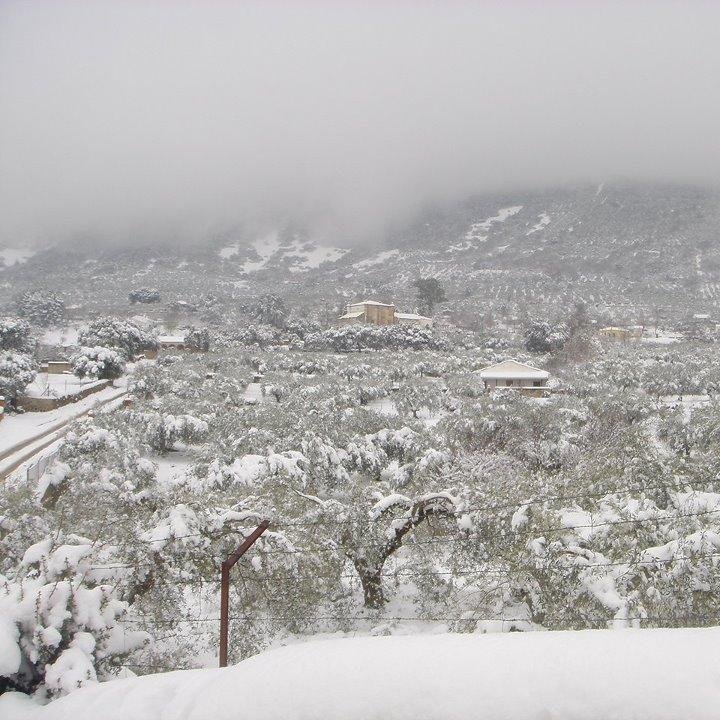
171, 339
664, 674
410, 316
371, 302
348, 316
512, 369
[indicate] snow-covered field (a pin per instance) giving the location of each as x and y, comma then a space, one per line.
585, 675
50, 385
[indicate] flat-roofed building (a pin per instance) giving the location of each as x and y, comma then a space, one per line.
515, 375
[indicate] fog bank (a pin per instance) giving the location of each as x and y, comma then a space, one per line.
154, 119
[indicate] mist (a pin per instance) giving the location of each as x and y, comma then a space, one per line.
144, 120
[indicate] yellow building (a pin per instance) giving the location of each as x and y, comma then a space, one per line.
371, 312
622, 333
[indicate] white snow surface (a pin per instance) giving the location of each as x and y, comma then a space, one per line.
378, 259
543, 221
667, 674
477, 230
304, 254
63, 337
49, 385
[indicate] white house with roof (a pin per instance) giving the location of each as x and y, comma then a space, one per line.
171, 342
515, 375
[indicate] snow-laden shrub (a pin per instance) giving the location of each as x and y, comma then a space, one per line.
14, 335
197, 339
144, 295
124, 336
542, 337
59, 630
99, 363
351, 338
163, 431
17, 371
43, 308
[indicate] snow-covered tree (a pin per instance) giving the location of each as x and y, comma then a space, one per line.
59, 627
43, 308
144, 295
197, 339
17, 371
123, 336
542, 337
99, 363
15, 335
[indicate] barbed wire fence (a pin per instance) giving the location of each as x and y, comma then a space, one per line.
365, 621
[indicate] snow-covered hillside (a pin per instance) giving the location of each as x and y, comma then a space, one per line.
607, 244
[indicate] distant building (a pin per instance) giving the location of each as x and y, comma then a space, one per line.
515, 375
57, 367
622, 333
370, 312
413, 319
171, 342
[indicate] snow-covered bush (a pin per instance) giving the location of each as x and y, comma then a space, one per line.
197, 339
43, 308
99, 363
17, 371
144, 295
14, 335
124, 336
542, 337
163, 431
351, 338
268, 309
59, 628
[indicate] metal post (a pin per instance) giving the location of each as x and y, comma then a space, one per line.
232, 558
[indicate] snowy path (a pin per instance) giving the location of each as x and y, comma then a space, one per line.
23, 436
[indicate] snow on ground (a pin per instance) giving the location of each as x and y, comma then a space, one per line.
15, 429
543, 221
54, 386
63, 337
378, 259
265, 247
172, 468
305, 254
15, 256
227, 252
311, 255
667, 674
383, 406
660, 337
477, 230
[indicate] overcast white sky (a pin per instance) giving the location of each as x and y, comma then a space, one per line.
135, 118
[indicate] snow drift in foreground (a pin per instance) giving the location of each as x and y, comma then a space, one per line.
587, 675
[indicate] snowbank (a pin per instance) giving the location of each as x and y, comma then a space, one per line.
588, 675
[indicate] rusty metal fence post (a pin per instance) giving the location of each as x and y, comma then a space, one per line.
230, 561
